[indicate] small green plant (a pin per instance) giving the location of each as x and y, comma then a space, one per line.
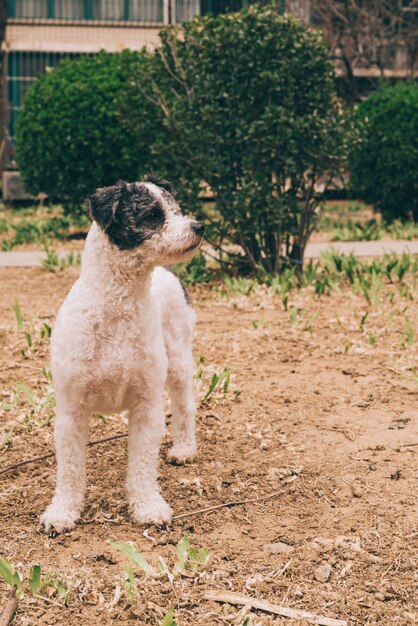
131, 584
294, 318
18, 315
169, 618
218, 381
129, 550
10, 576
409, 336
35, 579
189, 557
310, 272
372, 339
283, 283
309, 325
363, 320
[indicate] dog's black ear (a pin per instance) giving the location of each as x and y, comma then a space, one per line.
102, 205
160, 182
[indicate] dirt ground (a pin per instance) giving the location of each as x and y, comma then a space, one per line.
316, 410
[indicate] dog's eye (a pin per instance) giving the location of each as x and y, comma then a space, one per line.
153, 215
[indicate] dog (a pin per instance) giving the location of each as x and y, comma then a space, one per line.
125, 329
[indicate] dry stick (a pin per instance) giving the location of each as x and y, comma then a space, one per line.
228, 504
9, 468
263, 605
9, 610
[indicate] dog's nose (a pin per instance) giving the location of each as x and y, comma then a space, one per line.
198, 228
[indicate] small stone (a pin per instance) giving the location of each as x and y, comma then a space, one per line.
357, 491
322, 544
323, 572
278, 548
379, 596
348, 543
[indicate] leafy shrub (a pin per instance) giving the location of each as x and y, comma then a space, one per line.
247, 108
69, 139
384, 160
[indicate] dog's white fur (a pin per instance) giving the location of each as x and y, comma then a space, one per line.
124, 329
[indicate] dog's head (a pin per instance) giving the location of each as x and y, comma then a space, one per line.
146, 218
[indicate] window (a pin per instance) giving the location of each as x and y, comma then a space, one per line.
69, 10
23, 68
113, 10
29, 8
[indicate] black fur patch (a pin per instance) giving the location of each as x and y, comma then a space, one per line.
160, 182
128, 213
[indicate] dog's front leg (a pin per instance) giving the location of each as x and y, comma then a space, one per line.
71, 435
146, 428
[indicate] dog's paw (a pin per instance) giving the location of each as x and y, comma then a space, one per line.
181, 454
57, 518
155, 511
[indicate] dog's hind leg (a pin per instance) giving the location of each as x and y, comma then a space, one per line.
71, 435
180, 387
146, 428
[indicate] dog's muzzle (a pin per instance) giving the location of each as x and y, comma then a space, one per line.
198, 228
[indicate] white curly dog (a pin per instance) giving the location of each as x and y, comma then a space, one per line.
125, 327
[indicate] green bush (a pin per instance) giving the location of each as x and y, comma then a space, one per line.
384, 160
70, 140
247, 108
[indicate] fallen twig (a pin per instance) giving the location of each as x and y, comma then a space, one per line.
14, 364
13, 466
9, 610
228, 504
263, 605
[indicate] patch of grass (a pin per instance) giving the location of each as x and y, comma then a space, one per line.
332, 271
188, 559
35, 583
217, 386
35, 333
56, 263
38, 225
35, 408
195, 271
342, 227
